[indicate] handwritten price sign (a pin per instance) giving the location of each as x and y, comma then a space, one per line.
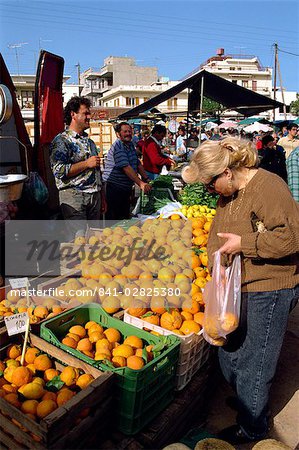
17, 323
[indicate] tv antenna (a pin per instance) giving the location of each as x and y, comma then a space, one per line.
16, 47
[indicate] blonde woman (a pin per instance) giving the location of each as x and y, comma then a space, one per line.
258, 218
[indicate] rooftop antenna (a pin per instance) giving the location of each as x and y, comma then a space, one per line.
15, 47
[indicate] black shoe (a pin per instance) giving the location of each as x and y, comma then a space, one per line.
234, 435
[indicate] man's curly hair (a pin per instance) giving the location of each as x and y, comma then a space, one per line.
74, 105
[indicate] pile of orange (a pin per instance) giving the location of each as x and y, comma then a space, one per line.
15, 303
30, 387
108, 344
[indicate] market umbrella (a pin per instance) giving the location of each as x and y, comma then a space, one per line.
210, 126
228, 124
257, 127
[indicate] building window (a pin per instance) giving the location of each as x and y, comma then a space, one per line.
146, 99
254, 85
116, 102
169, 103
128, 101
175, 102
245, 83
232, 68
27, 99
137, 101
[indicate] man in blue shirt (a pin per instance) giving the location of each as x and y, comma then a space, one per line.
122, 167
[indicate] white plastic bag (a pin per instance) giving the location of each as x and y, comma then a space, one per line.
222, 296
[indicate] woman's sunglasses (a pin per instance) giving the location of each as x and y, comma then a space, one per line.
211, 185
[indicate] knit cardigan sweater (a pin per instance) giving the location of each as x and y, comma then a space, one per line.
267, 218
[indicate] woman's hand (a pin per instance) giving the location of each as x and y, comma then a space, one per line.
232, 245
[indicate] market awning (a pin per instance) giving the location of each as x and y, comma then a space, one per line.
251, 120
231, 95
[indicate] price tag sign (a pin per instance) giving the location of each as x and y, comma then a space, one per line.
17, 323
18, 283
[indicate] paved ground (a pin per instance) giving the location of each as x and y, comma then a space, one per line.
284, 394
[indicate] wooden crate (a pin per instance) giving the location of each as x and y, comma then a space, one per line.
63, 428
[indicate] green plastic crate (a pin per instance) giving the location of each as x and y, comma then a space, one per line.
140, 394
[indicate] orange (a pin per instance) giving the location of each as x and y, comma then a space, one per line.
8, 388
186, 315
190, 306
198, 232
119, 361
21, 376
70, 342
123, 350
79, 330
84, 345
190, 326
200, 272
204, 259
49, 396
198, 222
199, 318
73, 336
42, 362
200, 241
41, 312
153, 319
50, 373
12, 398
29, 406
69, 375
95, 336
207, 226
111, 304
175, 217
56, 309
94, 327
84, 380
104, 344
32, 391
112, 335
135, 362
45, 407
133, 341
228, 324
13, 351
8, 373
138, 308
158, 305
64, 396
198, 298
171, 320
195, 289
103, 354
31, 354
195, 261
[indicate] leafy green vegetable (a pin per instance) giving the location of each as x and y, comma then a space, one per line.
197, 194
55, 384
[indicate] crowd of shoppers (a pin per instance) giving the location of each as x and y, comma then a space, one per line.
87, 190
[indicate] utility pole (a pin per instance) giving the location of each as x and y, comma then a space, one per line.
275, 74
15, 47
281, 88
78, 74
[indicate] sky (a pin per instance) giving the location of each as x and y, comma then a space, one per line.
174, 36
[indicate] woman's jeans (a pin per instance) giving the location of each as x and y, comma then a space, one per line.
249, 359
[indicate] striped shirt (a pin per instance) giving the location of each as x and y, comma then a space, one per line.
119, 156
68, 148
293, 173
